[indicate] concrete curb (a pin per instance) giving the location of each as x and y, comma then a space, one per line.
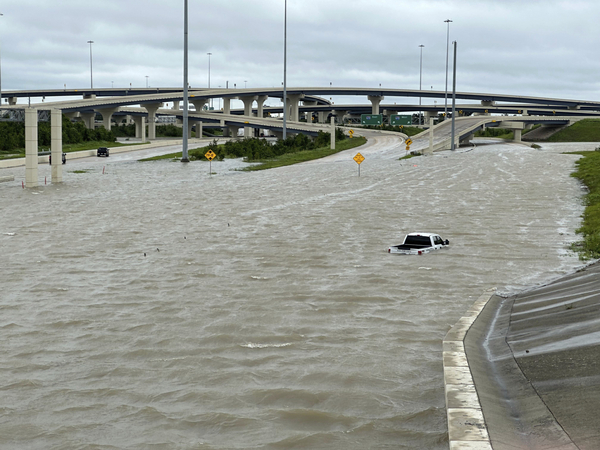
466, 425
17, 162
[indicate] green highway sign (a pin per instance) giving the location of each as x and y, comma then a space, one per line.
371, 119
397, 119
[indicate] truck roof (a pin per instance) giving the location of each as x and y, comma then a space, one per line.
423, 234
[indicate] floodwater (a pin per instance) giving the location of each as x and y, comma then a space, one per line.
157, 306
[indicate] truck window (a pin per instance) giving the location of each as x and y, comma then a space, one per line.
417, 240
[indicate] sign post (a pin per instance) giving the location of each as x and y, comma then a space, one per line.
210, 155
359, 159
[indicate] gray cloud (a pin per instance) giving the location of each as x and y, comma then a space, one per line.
527, 47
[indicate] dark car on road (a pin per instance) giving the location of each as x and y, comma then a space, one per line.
102, 151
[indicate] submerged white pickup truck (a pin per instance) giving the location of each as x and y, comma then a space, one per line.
419, 243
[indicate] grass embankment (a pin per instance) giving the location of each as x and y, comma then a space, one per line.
588, 171
285, 159
307, 155
587, 130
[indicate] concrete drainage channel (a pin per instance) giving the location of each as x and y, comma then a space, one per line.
466, 425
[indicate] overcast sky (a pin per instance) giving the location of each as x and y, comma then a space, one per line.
530, 47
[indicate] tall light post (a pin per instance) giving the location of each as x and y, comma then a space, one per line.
285, 112
91, 66
147, 85
448, 21
453, 97
184, 149
209, 75
420, 79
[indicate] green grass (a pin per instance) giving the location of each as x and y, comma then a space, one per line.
307, 155
587, 130
588, 171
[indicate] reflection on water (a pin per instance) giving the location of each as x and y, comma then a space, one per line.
157, 305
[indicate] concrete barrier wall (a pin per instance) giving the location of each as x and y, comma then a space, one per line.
466, 425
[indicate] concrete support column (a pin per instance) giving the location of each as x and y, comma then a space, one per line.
152, 108
233, 131
140, 127
12, 101
518, 134
260, 101
199, 129
248, 101
309, 113
176, 105
431, 119
321, 118
199, 103
56, 144
332, 133
89, 96
89, 120
106, 114
189, 130
226, 110
340, 116
375, 101
293, 101
31, 147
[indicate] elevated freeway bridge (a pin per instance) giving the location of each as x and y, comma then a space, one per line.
144, 105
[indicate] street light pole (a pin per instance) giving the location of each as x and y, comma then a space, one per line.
447, 51
285, 112
453, 95
420, 80
91, 67
147, 81
184, 150
209, 75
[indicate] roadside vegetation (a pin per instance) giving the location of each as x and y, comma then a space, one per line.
588, 171
587, 130
268, 155
75, 136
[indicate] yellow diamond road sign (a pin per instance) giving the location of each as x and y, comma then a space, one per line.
210, 155
408, 141
359, 158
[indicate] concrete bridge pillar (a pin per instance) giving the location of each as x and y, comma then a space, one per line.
321, 117
31, 147
309, 114
56, 144
190, 126
233, 131
89, 119
226, 110
248, 101
140, 127
293, 102
176, 105
199, 103
340, 116
152, 108
12, 101
375, 101
106, 114
89, 96
518, 135
260, 101
199, 129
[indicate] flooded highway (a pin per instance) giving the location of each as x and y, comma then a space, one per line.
154, 305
